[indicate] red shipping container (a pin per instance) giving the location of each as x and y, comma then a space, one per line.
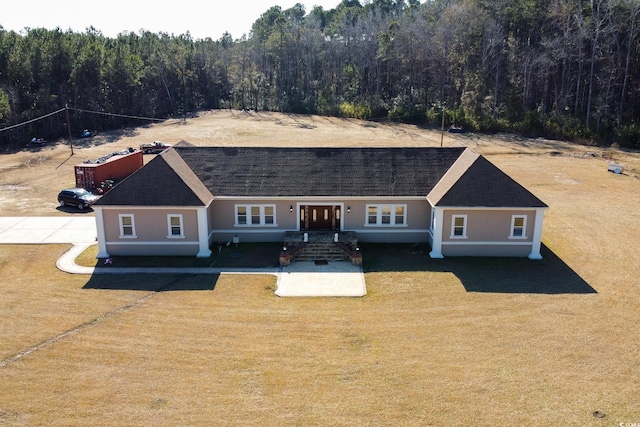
116, 166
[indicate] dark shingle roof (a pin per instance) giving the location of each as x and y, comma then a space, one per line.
186, 175
165, 181
474, 181
273, 172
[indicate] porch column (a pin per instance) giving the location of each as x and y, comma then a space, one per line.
102, 240
537, 234
203, 233
436, 247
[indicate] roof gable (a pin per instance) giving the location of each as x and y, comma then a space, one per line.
473, 181
165, 181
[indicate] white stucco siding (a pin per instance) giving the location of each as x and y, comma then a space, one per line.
492, 225
488, 232
223, 214
417, 213
151, 231
353, 217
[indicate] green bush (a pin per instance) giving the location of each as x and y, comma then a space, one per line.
355, 111
629, 136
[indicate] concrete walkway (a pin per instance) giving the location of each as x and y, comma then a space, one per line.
48, 229
300, 279
306, 279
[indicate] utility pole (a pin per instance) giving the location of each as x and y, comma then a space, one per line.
442, 129
66, 107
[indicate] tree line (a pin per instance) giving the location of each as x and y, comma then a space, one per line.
565, 69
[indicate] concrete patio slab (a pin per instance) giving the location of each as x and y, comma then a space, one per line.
335, 279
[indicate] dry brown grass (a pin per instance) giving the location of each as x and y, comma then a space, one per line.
433, 347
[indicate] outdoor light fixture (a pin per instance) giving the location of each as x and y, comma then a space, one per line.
291, 208
348, 209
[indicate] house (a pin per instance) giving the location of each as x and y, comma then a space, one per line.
188, 197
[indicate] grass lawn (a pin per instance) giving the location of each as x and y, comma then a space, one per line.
457, 341
422, 348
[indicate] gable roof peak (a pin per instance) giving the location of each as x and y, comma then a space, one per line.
165, 180
473, 181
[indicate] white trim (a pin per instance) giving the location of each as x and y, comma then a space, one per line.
513, 227
453, 234
248, 230
301, 204
153, 242
145, 208
203, 233
392, 216
323, 198
393, 230
537, 235
477, 243
249, 215
480, 208
170, 226
436, 234
101, 237
133, 226
357, 230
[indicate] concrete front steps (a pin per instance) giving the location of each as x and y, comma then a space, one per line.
321, 251
320, 247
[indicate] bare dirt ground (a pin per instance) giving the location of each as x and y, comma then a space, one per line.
437, 345
31, 179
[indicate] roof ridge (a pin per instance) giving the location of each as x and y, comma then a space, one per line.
186, 174
462, 164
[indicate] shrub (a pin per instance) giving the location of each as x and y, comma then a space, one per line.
355, 111
629, 136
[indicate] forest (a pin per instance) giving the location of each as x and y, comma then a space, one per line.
566, 69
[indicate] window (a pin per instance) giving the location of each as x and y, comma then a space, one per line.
386, 215
269, 215
127, 226
255, 214
252, 215
241, 215
372, 218
174, 224
458, 227
399, 215
518, 227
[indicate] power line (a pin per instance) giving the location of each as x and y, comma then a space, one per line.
116, 115
32, 120
82, 111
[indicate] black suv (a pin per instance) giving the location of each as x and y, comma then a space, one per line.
77, 197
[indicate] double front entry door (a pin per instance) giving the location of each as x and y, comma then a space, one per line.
323, 217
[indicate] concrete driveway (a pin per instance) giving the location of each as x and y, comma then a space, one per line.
47, 229
302, 279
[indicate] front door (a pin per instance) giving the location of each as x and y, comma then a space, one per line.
320, 218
